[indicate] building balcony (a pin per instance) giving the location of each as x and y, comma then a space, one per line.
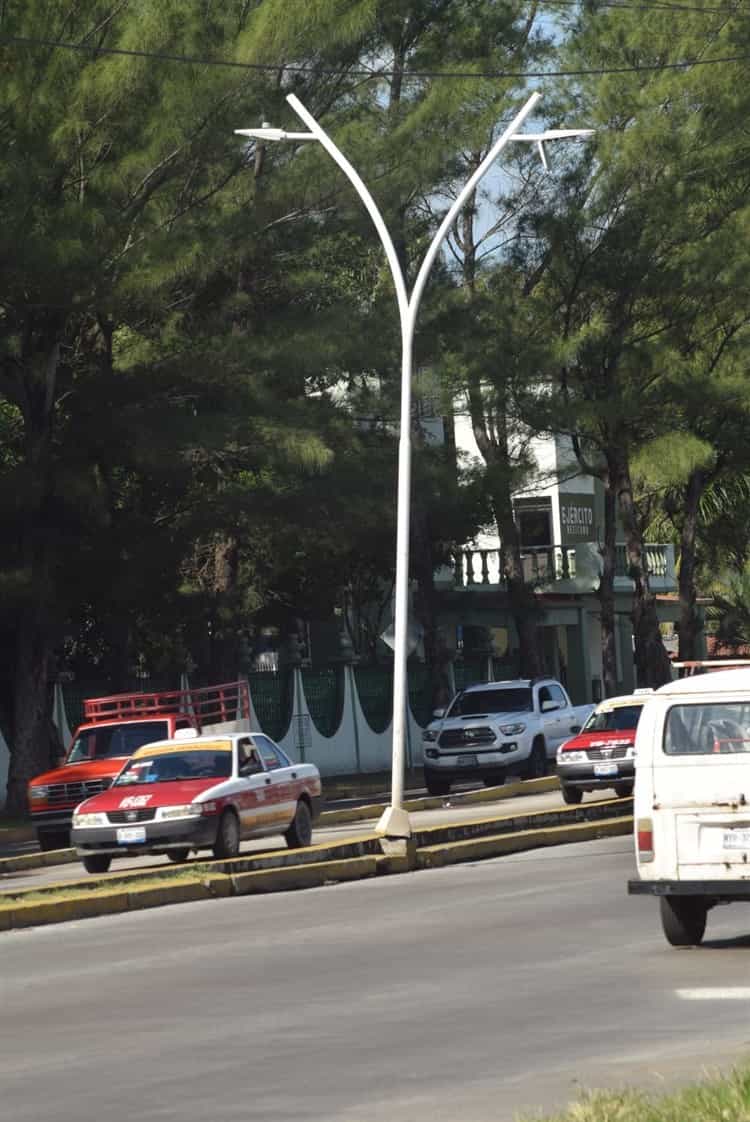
562, 569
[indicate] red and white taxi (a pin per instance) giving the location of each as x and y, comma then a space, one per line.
198, 792
602, 754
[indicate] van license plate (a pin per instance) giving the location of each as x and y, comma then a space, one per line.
129, 834
737, 839
466, 761
605, 769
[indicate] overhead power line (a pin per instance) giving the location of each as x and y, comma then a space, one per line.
294, 68
647, 6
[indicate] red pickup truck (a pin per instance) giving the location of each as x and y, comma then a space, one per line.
113, 728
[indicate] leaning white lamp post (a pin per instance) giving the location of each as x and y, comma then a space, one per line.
394, 822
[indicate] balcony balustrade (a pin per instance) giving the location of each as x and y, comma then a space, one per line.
578, 567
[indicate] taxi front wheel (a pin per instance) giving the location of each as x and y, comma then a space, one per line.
227, 842
97, 862
178, 855
299, 833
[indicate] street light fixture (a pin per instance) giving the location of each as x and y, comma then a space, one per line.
394, 822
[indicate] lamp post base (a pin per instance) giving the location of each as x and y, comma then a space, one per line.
394, 823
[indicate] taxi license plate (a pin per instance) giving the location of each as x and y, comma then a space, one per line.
605, 769
737, 839
467, 761
126, 835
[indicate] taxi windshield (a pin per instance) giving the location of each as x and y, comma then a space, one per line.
170, 766
621, 718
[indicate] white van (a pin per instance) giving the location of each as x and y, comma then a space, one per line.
692, 799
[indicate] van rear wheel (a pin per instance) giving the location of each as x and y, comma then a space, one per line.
683, 919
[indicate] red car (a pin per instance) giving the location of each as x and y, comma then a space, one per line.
114, 727
602, 754
198, 792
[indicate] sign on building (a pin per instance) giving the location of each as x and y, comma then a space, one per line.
577, 518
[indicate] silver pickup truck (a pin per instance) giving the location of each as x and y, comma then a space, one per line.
495, 728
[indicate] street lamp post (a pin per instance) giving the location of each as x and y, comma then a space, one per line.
394, 822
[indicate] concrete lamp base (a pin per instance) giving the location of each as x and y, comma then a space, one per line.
394, 823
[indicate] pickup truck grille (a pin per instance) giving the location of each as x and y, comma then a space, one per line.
71, 794
146, 814
607, 753
466, 738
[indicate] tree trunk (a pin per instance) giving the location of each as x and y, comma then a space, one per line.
35, 744
606, 593
653, 667
34, 741
689, 625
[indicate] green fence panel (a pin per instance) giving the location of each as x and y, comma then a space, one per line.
76, 692
375, 691
271, 692
504, 670
324, 690
469, 671
420, 693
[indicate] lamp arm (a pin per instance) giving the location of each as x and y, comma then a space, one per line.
359, 186
464, 194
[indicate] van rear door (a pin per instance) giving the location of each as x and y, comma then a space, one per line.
702, 788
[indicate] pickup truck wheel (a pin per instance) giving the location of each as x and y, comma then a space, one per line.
178, 855
495, 780
572, 795
299, 833
683, 919
97, 862
54, 839
536, 766
623, 790
437, 784
227, 842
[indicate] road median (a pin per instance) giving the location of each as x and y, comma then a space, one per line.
284, 870
41, 860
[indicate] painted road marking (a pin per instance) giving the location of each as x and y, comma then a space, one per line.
716, 993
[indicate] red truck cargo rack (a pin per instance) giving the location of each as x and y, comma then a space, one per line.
207, 705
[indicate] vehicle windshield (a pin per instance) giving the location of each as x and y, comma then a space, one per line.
168, 766
716, 728
515, 699
105, 742
622, 718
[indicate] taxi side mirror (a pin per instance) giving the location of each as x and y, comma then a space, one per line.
60, 761
575, 728
438, 713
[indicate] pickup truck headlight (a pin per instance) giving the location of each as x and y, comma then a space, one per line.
512, 730
38, 794
80, 820
192, 810
429, 734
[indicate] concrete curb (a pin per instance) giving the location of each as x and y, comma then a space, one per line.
353, 859
436, 802
304, 876
328, 818
37, 860
452, 853
205, 871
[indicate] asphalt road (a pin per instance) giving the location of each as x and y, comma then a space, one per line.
468, 993
521, 804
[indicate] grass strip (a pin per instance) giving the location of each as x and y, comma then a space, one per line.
717, 1099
